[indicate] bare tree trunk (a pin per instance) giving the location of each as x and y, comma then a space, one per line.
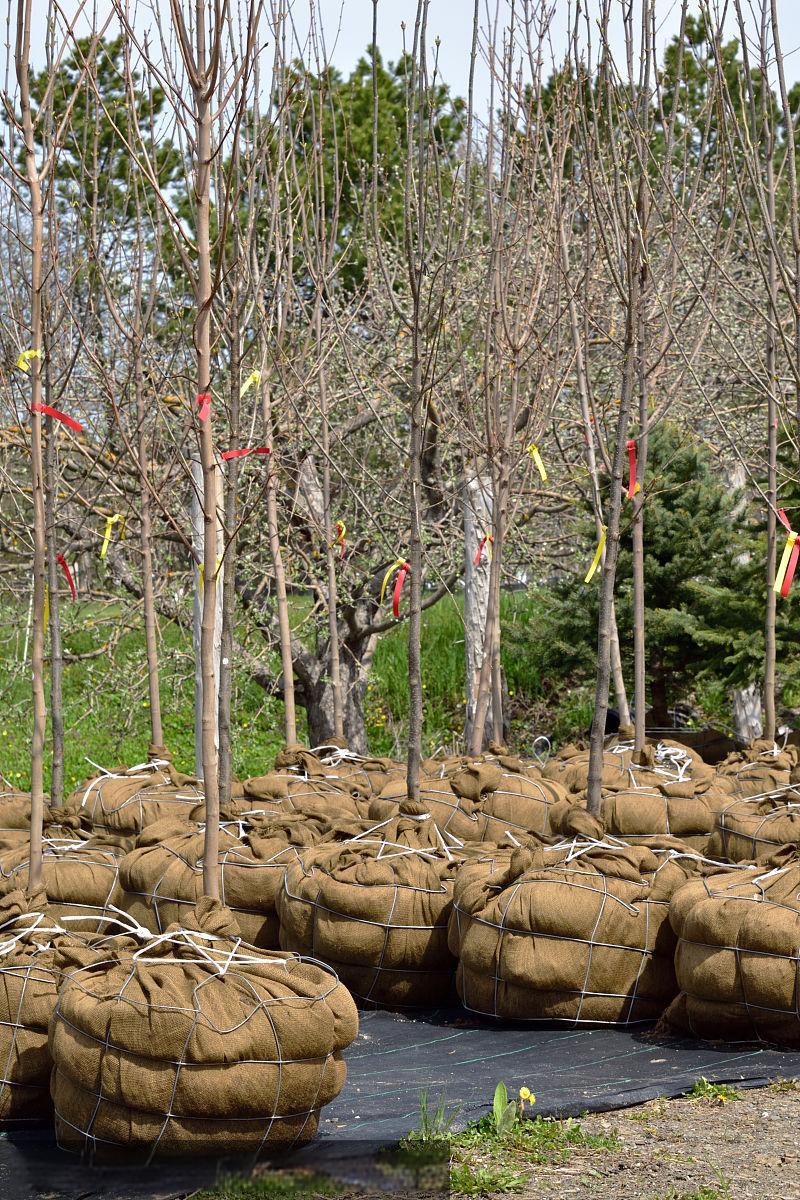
56, 651
281, 598
228, 588
610, 565
414, 759
772, 441
22, 64
477, 516
594, 477
333, 622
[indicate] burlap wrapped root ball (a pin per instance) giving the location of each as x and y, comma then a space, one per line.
362, 775
575, 932
510, 798
57, 821
161, 880
80, 877
681, 809
750, 829
376, 910
127, 801
28, 991
622, 769
738, 953
194, 1043
759, 770
284, 792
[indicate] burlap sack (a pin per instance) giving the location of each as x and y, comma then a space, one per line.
80, 877
376, 910
750, 829
759, 770
162, 879
15, 821
456, 815
194, 1044
283, 792
28, 991
360, 775
737, 957
669, 810
511, 801
126, 801
659, 762
576, 932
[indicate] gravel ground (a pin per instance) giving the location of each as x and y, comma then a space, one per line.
686, 1149
745, 1149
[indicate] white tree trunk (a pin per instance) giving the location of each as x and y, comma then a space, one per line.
747, 713
477, 511
196, 509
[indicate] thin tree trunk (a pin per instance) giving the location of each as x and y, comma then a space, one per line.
22, 64
281, 598
203, 301
477, 516
594, 796
772, 447
53, 572
229, 578
594, 477
330, 554
414, 759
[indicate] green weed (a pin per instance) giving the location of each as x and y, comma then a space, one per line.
293, 1185
485, 1181
719, 1093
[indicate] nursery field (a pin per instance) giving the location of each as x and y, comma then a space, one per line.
399, 577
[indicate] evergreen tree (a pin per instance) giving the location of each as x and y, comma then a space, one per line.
704, 580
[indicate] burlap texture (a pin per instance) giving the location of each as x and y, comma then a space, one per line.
758, 770
195, 1044
28, 991
15, 821
81, 879
376, 910
737, 957
162, 879
457, 815
577, 932
127, 801
361, 775
750, 829
512, 800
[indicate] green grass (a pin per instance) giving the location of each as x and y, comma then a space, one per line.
106, 714
704, 1192
485, 1181
537, 1139
720, 1093
278, 1185
443, 676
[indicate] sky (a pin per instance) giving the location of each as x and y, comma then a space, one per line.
348, 29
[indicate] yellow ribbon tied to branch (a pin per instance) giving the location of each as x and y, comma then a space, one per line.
786, 558
253, 379
26, 358
118, 518
598, 554
394, 567
201, 569
533, 450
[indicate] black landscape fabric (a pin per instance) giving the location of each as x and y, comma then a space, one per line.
571, 1071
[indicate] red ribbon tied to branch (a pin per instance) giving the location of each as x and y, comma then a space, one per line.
398, 588
245, 450
204, 402
633, 486
62, 562
487, 539
58, 416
